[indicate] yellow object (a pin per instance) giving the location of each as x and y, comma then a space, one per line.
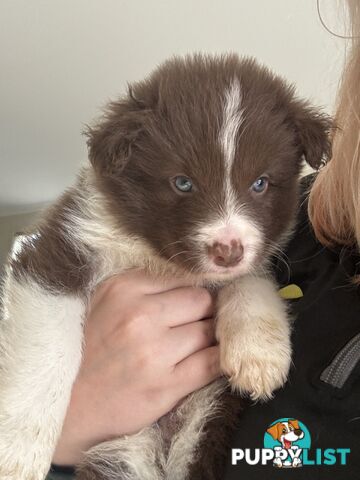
291, 292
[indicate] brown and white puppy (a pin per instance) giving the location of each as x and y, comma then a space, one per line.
194, 172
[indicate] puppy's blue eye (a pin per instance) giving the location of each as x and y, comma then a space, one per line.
184, 184
260, 185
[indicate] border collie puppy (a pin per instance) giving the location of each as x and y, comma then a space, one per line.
193, 173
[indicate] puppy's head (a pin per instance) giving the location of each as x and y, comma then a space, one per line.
201, 160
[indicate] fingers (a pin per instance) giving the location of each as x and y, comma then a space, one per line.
136, 283
196, 371
171, 300
183, 305
185, 340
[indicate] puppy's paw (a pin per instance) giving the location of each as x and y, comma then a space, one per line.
257, 373
253, 331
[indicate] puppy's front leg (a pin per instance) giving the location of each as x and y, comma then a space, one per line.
254, 335
40, 353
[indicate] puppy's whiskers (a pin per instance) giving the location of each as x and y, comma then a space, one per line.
176, 254
169, 245
277, 253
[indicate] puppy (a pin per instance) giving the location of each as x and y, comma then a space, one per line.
193, 173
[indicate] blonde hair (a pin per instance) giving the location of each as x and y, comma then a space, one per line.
334, 202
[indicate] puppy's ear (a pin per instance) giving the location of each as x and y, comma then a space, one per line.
312, 134
111, 140
273, 431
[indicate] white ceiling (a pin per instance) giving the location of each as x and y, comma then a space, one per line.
61, 60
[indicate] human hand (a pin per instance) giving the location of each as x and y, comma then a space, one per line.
148, 344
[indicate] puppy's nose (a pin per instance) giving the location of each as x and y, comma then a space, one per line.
226, 254
298, 432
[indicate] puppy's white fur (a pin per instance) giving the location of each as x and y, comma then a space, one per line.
137, 456
40, 353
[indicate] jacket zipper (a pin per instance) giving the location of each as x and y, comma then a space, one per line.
343, 364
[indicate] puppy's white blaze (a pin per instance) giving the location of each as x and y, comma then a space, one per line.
232, 119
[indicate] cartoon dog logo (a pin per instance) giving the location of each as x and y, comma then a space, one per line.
286, 433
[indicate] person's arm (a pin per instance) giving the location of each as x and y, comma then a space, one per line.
148, 344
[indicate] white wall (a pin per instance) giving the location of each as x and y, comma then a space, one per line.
63, 59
